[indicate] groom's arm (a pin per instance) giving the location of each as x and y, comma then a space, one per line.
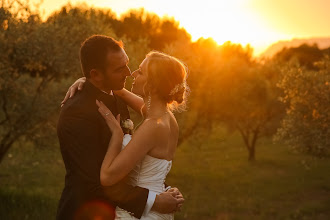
135, 200
78, 142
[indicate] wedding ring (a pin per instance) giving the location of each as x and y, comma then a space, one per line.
106, 114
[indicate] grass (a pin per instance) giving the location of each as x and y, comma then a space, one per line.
212, 172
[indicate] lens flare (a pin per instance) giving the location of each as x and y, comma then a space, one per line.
96, 210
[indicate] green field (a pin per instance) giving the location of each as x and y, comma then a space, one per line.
212, 172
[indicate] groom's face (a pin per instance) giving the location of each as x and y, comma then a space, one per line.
116, 70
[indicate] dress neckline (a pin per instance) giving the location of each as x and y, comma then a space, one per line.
158, 158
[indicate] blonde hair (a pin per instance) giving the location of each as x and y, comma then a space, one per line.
167, 76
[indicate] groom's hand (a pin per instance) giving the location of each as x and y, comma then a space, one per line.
168, 202
179, 195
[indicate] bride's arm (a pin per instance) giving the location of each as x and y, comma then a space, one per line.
132, 100
116, 168
117, 164
77, 85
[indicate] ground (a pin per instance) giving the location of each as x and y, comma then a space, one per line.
212, 171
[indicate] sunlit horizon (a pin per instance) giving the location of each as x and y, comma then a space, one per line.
254, 22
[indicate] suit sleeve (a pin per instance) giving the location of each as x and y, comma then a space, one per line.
79, 138
132, 199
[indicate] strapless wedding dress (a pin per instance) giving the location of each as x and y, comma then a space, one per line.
149, 173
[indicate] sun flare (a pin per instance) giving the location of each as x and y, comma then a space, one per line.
235, 21
224, 21
255, 22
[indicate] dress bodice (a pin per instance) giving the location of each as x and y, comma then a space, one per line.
150, 172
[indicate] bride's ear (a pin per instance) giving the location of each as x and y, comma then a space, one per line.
152, 89
146, 89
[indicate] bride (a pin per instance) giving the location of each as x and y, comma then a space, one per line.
146, 157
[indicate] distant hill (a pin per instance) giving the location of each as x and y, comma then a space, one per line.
276, 47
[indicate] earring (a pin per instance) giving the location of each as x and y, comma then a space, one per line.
149, 103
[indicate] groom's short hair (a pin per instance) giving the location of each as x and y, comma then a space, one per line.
93, 52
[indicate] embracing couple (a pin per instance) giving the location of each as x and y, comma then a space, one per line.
111, 174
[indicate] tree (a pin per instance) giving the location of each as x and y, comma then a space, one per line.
305, 55
306, 126
250, 104
37, 62
229, 87
21, 88
138, 23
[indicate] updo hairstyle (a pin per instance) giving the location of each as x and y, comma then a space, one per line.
167, 77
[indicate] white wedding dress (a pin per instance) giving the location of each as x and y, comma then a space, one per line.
149, 173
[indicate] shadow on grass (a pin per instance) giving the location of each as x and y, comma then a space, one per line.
14, 205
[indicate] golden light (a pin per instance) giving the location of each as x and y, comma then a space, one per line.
255, 22
222, 20
234, 21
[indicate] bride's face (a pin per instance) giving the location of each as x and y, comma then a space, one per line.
140, 79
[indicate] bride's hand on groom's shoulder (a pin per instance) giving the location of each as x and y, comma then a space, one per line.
77, 85
112, 122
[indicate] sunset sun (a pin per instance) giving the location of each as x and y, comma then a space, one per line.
255, 22
228, 21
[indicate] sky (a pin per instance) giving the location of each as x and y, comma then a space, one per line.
256, 22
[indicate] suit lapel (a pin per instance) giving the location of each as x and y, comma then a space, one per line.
122, 108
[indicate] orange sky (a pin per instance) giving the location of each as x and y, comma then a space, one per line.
258, 22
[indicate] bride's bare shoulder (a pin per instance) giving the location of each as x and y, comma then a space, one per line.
153, 128
173, 122
154, 123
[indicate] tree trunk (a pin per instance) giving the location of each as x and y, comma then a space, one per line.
3, 150
252, 154
6, 142
250, 142
253, 145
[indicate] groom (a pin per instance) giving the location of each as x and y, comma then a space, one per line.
84, 138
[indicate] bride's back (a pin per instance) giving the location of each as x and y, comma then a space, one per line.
167, 140
152, 170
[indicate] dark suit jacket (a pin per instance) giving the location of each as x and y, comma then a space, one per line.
84, 137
